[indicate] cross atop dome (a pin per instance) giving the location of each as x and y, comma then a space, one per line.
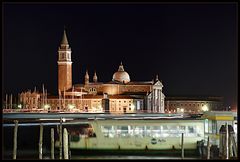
121, 67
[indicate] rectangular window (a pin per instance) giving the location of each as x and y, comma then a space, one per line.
139, 131
138, 105
165, 131
182, 129
108, 131
122, 131
191, 131
206, 125
156, 131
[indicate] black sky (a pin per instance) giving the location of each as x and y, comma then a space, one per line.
192, 47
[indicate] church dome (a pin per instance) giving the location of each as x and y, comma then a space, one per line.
121, 75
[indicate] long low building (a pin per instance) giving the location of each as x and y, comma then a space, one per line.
193, 104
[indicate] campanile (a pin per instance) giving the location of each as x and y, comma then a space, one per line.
64, 64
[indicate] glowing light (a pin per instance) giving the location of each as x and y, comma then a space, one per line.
132, 107
19, 106
182, 110
46, 106
71, 106
205, 108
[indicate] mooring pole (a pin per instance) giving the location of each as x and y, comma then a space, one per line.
227, 139
52, 143
69, 144
40, 141
208, 148
65, 143
182, 147
60, 139
15, 140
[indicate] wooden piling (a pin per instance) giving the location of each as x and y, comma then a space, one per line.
40, 141
235, 151
182, 146
60, 139
11, 101
15, 140
208, 148
52, 143
69, 143
65, 143
6, 102
227, 139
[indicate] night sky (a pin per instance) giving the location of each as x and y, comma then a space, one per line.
192, 47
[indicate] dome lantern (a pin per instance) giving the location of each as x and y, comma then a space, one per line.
121, 75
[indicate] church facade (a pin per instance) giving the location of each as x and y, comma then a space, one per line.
120, 95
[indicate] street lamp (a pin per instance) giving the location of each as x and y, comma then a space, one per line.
205, 108
46, 107
19, 106
71, 106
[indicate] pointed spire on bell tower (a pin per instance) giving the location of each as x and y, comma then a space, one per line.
64, 38
95, 77
64, 64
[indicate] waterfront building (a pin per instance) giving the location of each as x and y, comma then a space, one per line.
30, 100
120, 95
193, 104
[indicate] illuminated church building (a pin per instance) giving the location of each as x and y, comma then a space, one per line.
121, 95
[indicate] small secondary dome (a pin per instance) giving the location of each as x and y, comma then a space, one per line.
121, 75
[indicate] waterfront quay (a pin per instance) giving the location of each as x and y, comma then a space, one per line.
110, 136
28, 123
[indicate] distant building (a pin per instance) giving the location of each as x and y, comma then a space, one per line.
193, 104
121, 95
30, 100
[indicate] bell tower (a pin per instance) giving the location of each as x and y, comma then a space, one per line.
64, 64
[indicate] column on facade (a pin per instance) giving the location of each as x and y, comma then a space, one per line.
154, 100
152, 108
158, 101
148, 103
161, 104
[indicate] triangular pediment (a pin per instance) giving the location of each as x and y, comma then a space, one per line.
158, 83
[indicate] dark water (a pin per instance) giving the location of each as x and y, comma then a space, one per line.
27, 147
